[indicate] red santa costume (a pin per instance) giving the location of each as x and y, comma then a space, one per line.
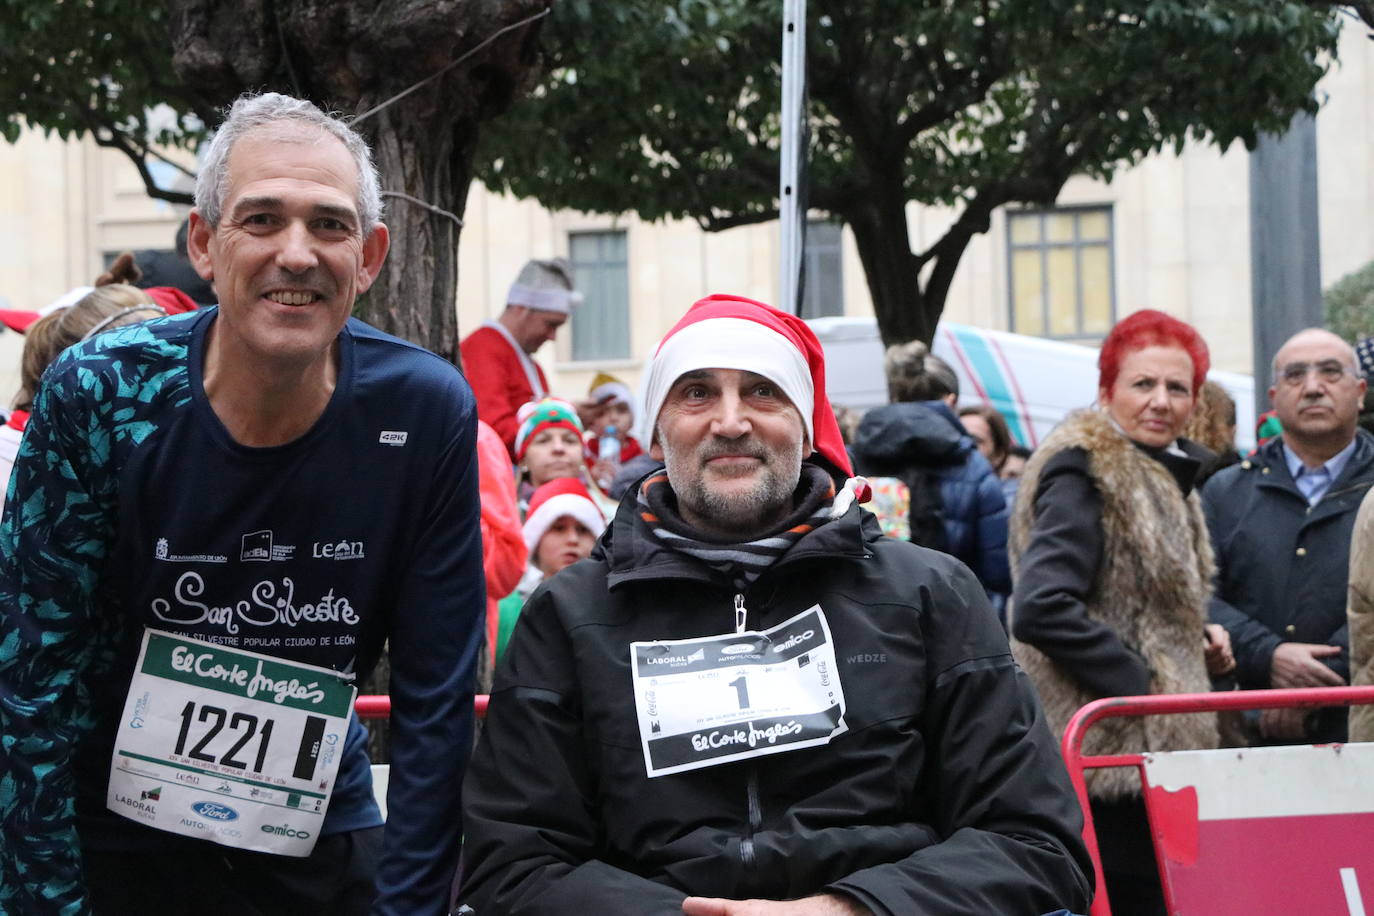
502, 375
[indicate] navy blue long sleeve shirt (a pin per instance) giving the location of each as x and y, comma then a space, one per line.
132, 507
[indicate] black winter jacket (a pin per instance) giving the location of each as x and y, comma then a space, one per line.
1282, 567
946, 796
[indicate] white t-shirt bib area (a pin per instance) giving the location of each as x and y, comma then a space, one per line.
234, 747
719, 699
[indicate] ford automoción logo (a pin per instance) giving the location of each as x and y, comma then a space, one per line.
215, 811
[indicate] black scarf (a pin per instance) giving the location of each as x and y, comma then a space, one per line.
742, 561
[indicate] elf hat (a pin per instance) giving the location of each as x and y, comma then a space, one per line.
731, 332
555, 499
536, 416
607, 389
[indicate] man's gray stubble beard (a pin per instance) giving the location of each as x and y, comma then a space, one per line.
748, 514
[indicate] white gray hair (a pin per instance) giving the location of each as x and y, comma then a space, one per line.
252, 112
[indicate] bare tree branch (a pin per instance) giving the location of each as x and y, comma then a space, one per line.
713, 223
138, 156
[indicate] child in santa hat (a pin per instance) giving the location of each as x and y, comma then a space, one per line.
562, 525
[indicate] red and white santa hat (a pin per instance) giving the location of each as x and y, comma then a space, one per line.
731, 332
555, 499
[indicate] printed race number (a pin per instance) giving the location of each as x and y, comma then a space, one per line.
717, 699
229, 746
243, 722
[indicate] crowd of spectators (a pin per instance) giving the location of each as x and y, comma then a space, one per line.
1121, 554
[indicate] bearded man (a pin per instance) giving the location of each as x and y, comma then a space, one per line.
748, 700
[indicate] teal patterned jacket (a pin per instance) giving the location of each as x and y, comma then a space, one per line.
54, 650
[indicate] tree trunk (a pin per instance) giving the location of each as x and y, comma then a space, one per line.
892, 271
352, 55
418, 156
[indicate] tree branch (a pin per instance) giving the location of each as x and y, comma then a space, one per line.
712, 223
138, 156
1363, 9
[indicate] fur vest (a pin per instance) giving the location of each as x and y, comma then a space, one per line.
1151, 588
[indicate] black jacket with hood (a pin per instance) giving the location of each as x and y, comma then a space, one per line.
946, 796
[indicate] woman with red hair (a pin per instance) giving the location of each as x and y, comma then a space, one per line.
1113, 571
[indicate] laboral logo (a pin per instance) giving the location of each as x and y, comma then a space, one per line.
697, 656
142, 807
257, 545
214, 811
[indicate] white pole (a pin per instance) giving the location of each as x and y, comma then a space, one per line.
789, 210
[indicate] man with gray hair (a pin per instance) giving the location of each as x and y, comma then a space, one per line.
215, 522
1281, 523
496, 356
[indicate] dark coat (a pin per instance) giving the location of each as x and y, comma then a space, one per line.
945, 796
1282, 566
927, 435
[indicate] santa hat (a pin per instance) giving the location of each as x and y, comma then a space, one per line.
172, 300
731, 332
546, 286
536, 416
20, 319
555, 499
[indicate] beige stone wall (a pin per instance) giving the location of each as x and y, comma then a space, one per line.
63, 207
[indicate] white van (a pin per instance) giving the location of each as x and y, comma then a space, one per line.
1033, 382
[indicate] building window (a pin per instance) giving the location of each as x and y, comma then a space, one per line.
823, 275
1061, 272
601, 324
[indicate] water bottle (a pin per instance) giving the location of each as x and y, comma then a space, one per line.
609, 449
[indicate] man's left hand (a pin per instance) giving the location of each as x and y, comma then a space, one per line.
821, 905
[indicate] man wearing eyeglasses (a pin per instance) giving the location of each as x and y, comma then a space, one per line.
1280, 523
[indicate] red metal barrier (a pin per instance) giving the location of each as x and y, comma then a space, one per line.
379, 706
1114, 707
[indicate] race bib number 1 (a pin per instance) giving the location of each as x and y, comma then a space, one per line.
704, 702
234, 747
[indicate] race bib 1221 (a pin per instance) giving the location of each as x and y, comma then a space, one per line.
230, 746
